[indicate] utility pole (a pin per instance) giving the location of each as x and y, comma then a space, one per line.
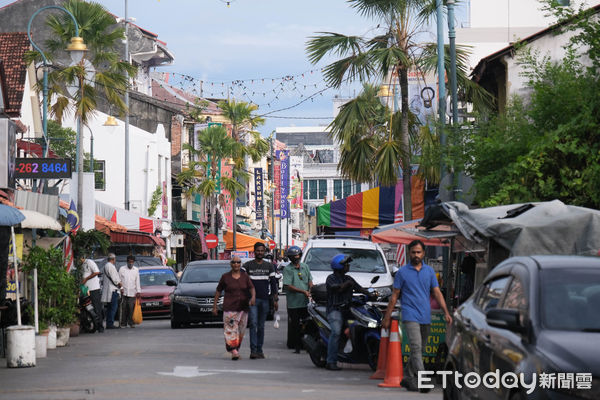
441, 80
126, 113
456, 184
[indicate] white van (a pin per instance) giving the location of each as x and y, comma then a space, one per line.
368, 259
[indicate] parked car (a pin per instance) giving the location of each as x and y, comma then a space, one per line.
121, 260
368, 259
156, 293
538, 314
192, 299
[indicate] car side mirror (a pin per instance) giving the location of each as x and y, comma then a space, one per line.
505, 319
171, 282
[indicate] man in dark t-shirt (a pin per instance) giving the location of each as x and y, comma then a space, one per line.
262, 275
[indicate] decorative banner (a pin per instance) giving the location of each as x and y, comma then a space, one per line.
283, 157
277, 181
165, 201
258, 193
296, 169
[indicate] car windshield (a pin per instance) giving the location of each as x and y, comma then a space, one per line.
571, 299
363, 260
204, 273
152, 277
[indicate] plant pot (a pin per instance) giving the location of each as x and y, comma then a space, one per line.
74, 330
62, 336
20, 346
41, 346
52, 337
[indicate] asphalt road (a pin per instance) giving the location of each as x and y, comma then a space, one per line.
154, 361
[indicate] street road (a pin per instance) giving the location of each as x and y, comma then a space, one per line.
154, 361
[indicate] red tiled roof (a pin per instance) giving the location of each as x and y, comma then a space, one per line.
12, 50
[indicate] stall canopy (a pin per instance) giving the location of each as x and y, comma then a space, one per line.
406, 232
375, 207
535, 228
243, 242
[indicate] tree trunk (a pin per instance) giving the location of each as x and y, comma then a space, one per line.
406, 168
234, 223
214, 224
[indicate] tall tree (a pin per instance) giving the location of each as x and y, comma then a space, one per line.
239, 114
394, 52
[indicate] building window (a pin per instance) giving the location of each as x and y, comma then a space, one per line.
99, 172
342, 188
315, 189
337, 189
347, 188
322, 188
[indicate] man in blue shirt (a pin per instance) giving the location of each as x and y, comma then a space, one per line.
414, 283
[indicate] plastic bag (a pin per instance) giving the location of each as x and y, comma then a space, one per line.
137, 313
84, 290
276, 323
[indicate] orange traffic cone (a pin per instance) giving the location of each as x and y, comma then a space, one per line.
393, 369
382, 359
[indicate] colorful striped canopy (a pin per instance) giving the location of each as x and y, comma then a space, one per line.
367, 209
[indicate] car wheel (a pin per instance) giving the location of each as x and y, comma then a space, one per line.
175, 324
451, 392
372, 353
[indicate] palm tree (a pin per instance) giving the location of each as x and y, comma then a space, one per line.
239, 114
111, 72
395, 51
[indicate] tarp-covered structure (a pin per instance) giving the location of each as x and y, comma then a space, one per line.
371, 208
526, 229
406, 232
242, 242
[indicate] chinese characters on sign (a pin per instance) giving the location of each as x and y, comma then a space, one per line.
258, 192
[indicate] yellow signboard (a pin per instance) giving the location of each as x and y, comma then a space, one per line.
19, 239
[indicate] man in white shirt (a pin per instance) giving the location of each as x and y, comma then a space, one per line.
110, 290
131, 290
90, 279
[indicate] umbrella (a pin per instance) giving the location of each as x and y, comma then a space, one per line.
10, 216
36, 220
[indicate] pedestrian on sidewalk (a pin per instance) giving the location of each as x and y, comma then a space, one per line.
262, 273
413, 284
239, 295
131, 290
90, 279
297, 282
111, 285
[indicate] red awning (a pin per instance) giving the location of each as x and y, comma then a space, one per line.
34, 149
136, 238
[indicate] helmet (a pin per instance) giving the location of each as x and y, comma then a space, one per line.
339, 260
293, 251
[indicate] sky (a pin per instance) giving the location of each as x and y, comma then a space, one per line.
256, 48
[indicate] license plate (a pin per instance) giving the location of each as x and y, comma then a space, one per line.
153, 304
205, 309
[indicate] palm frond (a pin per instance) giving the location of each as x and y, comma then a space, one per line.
332, 43
387, 165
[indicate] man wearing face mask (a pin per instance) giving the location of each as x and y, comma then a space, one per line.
262, 275
130, 289
413, 284
297, 281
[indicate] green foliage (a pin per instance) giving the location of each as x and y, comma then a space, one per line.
548, 148
57, 289
155, 201
85, 244
62, 140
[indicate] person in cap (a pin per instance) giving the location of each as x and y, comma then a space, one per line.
297, 282
339, 296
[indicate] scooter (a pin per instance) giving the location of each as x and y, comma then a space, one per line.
359, 341
87, 314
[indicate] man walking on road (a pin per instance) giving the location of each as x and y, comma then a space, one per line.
297, 280
131, 290
262, 275
414, 283
111, 284
92, 282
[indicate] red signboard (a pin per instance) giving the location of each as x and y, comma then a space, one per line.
212, 241
272, 244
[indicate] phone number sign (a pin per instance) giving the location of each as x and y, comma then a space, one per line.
53, 168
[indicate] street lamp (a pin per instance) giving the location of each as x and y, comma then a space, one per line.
231, 162
76, 49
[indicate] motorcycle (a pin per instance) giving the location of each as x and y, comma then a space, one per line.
87, 314
359, 341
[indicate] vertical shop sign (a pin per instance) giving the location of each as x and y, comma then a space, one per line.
258, 193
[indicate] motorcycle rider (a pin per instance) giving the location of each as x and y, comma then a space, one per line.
298, 281
339, 296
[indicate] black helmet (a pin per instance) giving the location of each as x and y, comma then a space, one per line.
293, 251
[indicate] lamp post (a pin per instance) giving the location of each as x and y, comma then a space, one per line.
456, 184
126, 113
76, 49
231, 162
441, 78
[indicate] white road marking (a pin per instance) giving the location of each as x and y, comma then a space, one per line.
192, 371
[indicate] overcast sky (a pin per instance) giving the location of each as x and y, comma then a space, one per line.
250, 40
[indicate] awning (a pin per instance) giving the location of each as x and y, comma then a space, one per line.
106, 226
136, 238
243, 242
33, 149
36, 220
404, 233
373, 207
184, 225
